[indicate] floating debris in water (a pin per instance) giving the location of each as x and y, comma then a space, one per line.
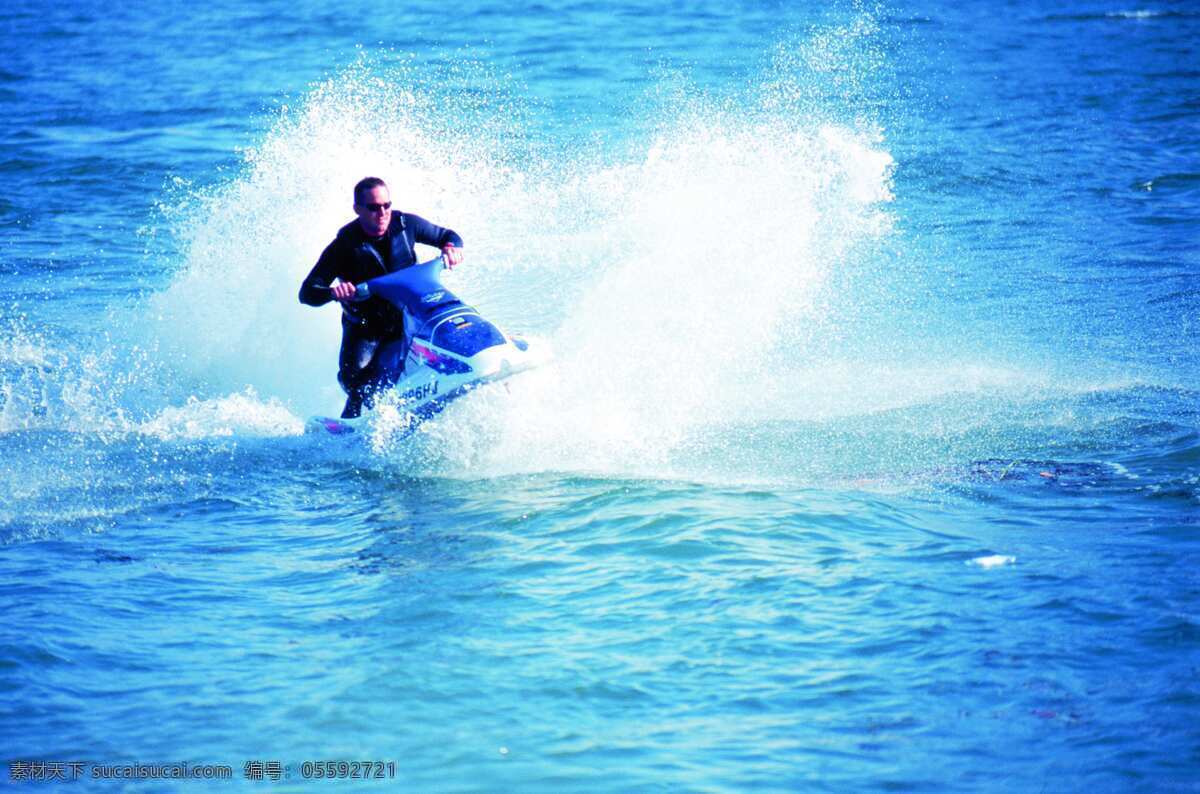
992, 561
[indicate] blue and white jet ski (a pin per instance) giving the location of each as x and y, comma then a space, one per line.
448, 349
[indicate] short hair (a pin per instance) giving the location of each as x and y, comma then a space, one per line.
370, 183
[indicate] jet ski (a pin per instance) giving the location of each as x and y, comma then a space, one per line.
449, 349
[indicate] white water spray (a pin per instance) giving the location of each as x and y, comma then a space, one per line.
671, 282
688, 281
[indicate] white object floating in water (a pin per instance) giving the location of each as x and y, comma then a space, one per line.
994, 561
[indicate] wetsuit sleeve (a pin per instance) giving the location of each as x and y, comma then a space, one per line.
314, 291
432, 234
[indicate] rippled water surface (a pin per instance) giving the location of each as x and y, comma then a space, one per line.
869, 457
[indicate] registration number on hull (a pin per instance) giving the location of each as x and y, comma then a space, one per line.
418, 393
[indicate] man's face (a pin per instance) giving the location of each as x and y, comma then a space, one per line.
374, 211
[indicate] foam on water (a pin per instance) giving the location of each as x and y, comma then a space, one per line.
244, 414
46, 384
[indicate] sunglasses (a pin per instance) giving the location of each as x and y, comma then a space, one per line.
377, 207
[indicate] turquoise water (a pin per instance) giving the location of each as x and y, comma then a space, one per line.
868, 458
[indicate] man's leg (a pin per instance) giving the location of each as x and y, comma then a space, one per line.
354, 368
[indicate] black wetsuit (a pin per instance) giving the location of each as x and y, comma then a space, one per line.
354, 258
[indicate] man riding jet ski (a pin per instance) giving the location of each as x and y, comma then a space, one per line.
381, 241
439, 349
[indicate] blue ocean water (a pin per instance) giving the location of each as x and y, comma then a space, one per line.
869, 458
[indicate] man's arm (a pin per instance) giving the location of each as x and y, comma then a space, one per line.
447, 240
315, 290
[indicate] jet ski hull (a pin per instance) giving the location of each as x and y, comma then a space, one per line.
450, 349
